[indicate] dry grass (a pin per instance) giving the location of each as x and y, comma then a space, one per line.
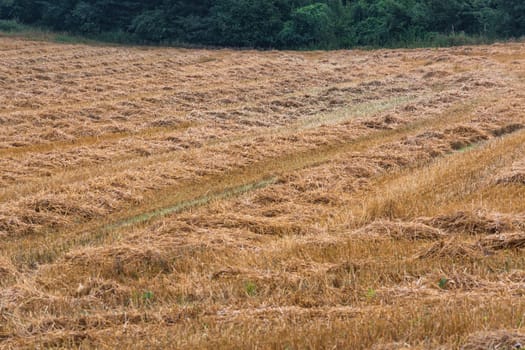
169, 198
495, 340
513, 240
401, 230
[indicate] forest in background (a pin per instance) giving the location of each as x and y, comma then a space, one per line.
281, 24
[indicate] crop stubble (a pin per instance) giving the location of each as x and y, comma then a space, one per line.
265, 199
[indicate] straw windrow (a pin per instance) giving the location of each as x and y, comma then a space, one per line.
170, 198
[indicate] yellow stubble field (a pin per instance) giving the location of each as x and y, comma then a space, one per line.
181, 198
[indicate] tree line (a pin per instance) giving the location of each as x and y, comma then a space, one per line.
276, 23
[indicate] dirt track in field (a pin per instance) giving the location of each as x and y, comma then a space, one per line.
242, 199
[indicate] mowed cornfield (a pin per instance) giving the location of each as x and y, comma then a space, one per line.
178, 198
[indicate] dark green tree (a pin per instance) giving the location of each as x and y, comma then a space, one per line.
275, 23
309, 26
245, 23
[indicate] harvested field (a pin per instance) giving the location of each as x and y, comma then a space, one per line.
176, 198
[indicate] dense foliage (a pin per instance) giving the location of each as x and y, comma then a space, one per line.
275, 23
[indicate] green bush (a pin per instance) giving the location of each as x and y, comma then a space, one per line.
10, 26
